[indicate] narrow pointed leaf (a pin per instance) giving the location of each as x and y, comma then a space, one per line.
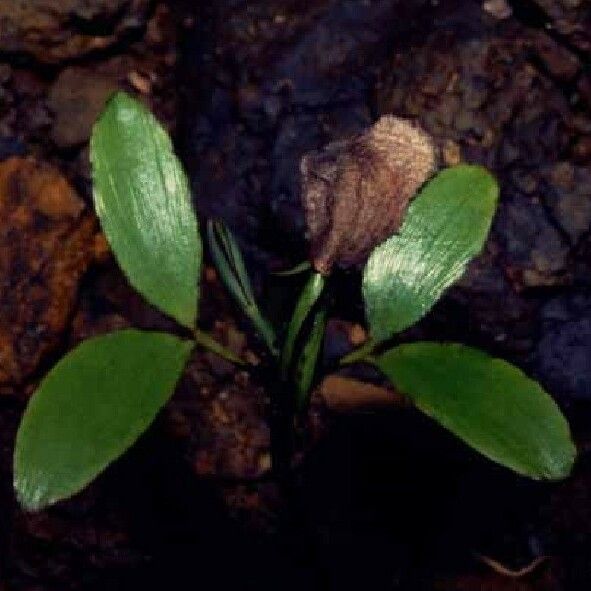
308, 297
232, 271
142, 198
488, 403
308, 359
90, 409
445, 227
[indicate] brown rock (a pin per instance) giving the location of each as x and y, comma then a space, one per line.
582, 149
559, 61
228, 434
76, 98
572, 19
46, 244
57, 30
344, 394
357, 335
499, 9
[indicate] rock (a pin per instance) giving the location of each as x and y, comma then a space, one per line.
305, 82
571, 18
76, 99
533, 248
560, 62
562, 355
344, 394
582, 150
497, 8
56, 30
46, 244
584, 88
357, 335
484, 95
452, 153
226, 428
11, 147
568, 194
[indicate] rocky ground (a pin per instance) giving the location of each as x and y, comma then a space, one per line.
384, 499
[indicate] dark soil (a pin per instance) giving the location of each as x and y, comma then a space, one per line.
380, 499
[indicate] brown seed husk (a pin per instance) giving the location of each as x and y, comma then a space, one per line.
355, 192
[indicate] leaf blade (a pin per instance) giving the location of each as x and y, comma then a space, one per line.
229, 263
142, 198
90, 408
309, 295
445, 227
308, 359
488, 403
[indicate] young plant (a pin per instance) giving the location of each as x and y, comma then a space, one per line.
98, 400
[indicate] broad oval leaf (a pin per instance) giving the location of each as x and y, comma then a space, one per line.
308, 298
488, 403
446, 225
90, 408
142, 198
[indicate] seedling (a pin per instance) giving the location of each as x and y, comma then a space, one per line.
96, 402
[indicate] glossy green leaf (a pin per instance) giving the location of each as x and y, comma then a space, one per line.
308, 359
308, 298
488, 403
446, 226
90, 408
142, 198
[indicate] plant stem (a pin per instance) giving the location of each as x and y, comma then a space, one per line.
363, 353
282, 434
300, 268
208, 342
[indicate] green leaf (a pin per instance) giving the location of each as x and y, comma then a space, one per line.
446, 226
143, 200
232, 270
488, 403
90, 408
308, 297
306, 365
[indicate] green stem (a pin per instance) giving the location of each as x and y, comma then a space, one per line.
208, 342
304, 266
361, 354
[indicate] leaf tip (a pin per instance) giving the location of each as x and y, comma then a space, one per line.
29, 494
561, 468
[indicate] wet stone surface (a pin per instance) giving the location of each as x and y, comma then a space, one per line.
56, 30
47, 243
563, 351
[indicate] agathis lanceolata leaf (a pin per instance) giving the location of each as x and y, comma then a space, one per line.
143, 200
308, 359
90, 408
488, 403
308, 297
445, 227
